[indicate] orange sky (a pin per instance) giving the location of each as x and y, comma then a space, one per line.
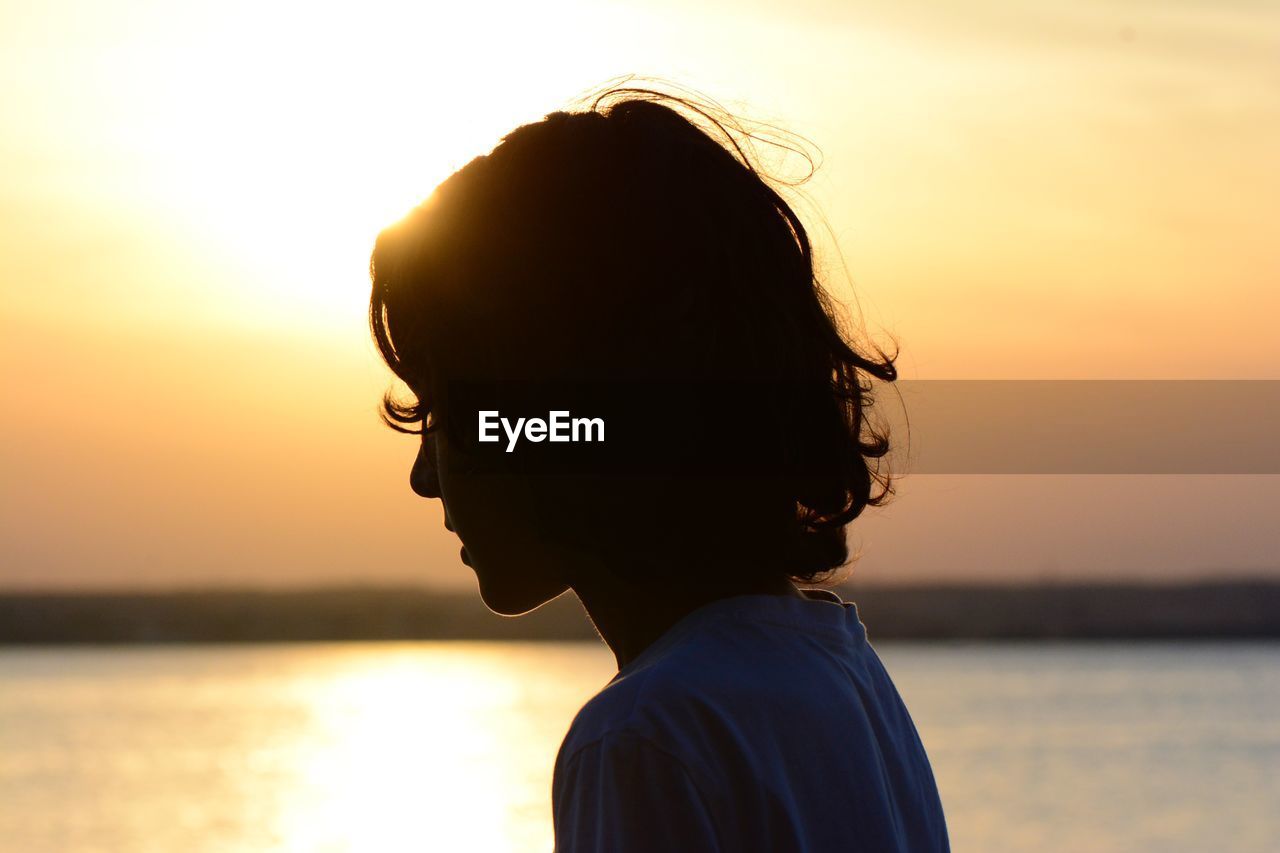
1063, 190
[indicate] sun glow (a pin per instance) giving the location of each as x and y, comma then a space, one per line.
275, 141
298, 172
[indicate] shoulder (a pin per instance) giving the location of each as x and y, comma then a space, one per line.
623, 792
636, 707
700, 692
637, 739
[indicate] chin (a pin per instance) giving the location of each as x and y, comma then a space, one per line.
508, 599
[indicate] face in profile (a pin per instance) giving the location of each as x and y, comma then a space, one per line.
492, 513
627, 246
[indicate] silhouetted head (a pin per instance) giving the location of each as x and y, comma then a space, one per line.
630, 257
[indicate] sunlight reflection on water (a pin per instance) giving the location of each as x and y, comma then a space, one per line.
318, 747
449, 746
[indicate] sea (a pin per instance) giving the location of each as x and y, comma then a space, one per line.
448, 746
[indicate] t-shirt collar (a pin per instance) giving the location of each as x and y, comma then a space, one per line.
798, 612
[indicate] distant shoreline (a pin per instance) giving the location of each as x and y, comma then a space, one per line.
1225, 610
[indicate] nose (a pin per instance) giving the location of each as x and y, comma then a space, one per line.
423, 478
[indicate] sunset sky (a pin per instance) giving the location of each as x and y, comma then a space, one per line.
1054, 190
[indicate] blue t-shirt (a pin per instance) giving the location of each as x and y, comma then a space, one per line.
755, 723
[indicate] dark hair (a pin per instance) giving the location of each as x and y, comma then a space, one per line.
637, 239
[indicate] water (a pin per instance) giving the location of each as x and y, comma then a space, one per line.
449, 746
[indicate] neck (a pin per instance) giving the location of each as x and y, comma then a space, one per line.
631, 615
